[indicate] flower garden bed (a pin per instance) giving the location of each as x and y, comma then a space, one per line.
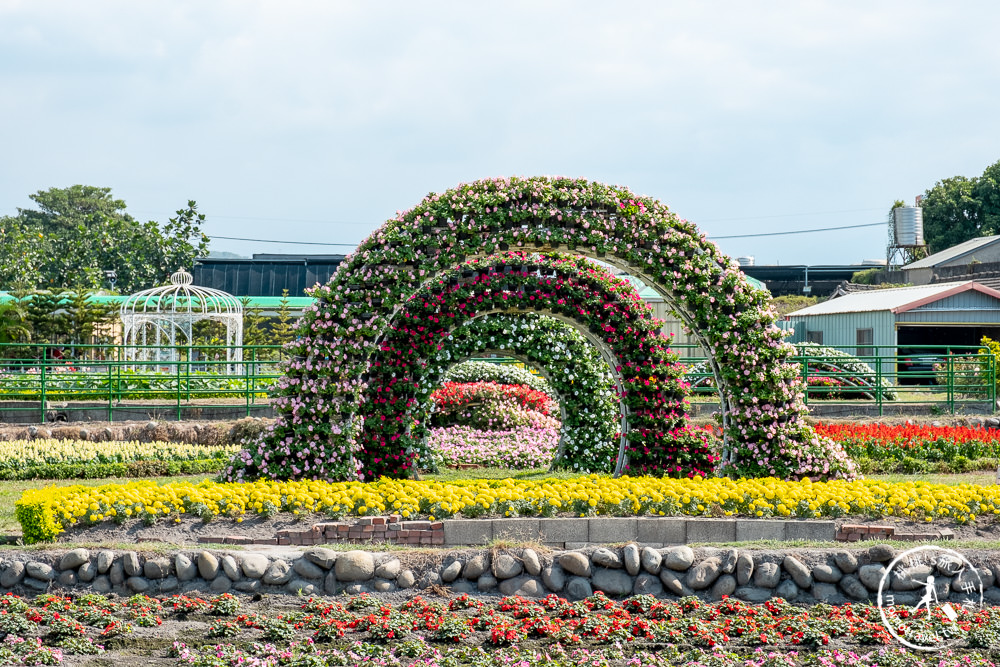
438, 632
67, 459
46, 513
675, 610
914, 448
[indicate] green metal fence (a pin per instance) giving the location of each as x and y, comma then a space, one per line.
948, 376
35, 378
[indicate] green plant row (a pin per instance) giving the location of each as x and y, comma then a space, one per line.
128, 385
913, 466
102, 470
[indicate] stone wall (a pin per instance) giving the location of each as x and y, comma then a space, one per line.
807, 576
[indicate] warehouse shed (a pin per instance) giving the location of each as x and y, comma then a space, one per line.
874, 322
964, 257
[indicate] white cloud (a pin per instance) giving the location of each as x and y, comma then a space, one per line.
337, 110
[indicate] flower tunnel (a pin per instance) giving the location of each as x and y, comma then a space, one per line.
653, 437
580, 377
760, 393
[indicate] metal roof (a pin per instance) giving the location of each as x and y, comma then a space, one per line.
897, 300
951, 253
294, 302
647, 293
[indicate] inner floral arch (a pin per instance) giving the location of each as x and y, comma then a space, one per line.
761, 394
588, 404
652, 437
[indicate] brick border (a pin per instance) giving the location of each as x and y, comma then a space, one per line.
365, 530
849, 532
574, 533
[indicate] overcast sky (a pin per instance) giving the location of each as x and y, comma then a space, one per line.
316, 121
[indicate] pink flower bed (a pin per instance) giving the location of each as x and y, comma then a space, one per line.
523, 447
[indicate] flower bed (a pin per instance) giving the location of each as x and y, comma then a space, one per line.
514, 449
487, 371
45, 513
511, 632
485, 423
912, 448
488, 405
65, 459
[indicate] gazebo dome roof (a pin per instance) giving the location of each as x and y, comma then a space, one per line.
181, 297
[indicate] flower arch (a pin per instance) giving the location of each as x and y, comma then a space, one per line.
653, 434
579, 377
763, 415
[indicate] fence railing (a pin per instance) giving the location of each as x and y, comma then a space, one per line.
87, 377
950, 376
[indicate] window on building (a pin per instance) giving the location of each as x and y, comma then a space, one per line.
814, 337
865, 339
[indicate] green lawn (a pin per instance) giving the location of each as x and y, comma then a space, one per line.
981, 478
449, 475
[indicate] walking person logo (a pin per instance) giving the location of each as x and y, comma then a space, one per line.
943, 588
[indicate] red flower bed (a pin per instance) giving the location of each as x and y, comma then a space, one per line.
453, 395
957, 445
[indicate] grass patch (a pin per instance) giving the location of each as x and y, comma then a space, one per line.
164, 548
952, 479
782, 545
450, 475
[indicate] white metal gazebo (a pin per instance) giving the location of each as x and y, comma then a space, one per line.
158, 321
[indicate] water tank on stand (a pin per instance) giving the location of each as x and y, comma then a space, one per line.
909, 225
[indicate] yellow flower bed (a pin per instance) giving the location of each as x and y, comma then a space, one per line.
44, 513
23, 453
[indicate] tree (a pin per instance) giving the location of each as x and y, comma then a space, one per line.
953, 213
283, 331
20, 259
254, 324
78, 233
47, 315
84, 316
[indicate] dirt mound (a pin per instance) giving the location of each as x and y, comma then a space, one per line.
191, 432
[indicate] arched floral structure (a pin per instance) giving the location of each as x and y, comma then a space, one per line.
579, 379
647, 376
762, 410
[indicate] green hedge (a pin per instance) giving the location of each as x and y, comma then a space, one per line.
128, 385
101, 470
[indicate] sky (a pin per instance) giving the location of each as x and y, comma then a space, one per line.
317, 121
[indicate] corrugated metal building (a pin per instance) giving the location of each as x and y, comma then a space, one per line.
959, 313
980, 250
265, 274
